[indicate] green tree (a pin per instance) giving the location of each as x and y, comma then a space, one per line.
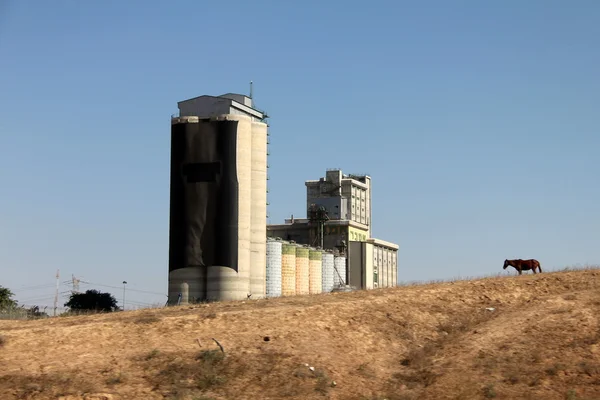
92, 300
6, 300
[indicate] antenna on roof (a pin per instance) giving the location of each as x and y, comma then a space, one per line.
250, 89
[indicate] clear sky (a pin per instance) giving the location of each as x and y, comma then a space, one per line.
478, 122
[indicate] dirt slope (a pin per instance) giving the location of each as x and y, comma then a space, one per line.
434, 341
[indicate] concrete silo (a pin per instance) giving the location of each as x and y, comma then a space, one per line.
339, 272
302, 270
217, 232
315, 265
274, 261
327, 272
288, 269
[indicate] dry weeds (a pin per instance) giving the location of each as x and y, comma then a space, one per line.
416, 341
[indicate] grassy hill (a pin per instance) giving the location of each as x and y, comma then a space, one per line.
527, 337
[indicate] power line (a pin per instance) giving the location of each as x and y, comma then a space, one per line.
120, 287
35, 287
37, 298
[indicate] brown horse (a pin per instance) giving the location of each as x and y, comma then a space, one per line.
523, 265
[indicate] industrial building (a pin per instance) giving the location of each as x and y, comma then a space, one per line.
339, 218
220, 247
218, 200
343, 197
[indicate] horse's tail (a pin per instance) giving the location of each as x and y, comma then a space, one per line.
539, 265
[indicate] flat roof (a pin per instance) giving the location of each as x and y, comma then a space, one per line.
383, 243
232, 102
303, 223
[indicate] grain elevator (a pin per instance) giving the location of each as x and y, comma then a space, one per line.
218, 200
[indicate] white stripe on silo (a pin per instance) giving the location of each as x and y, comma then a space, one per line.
273, 280
327, 280
224, 283
258, 230
339, 273
315, 265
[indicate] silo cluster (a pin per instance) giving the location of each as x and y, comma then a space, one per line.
294, 269
217, 233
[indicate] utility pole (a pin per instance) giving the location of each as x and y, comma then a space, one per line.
124, 283
75, 284
56, 293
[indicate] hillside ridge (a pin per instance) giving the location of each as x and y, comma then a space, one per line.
518, 337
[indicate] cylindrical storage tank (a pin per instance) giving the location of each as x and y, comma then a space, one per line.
302, 271
194, 278
288, 269
339, 273
315, 271
274, 259
224, 284
327, 272
258, 239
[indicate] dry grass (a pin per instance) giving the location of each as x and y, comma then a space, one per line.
146, 319
412, 342
46, 386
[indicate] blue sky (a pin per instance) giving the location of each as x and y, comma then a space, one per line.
477, 121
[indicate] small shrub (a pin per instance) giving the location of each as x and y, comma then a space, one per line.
571, 395
590, 369
211, 357
115, 379
365, 370
553, 370
152, 354
419, 356
513, 378
489, 392
2, 341
185, 375
323, 382
535, 381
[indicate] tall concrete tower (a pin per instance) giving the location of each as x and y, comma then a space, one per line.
218, 212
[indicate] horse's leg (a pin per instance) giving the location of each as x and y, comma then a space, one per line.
533, 269
520, 271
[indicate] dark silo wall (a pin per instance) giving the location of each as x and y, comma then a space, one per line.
203, 226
